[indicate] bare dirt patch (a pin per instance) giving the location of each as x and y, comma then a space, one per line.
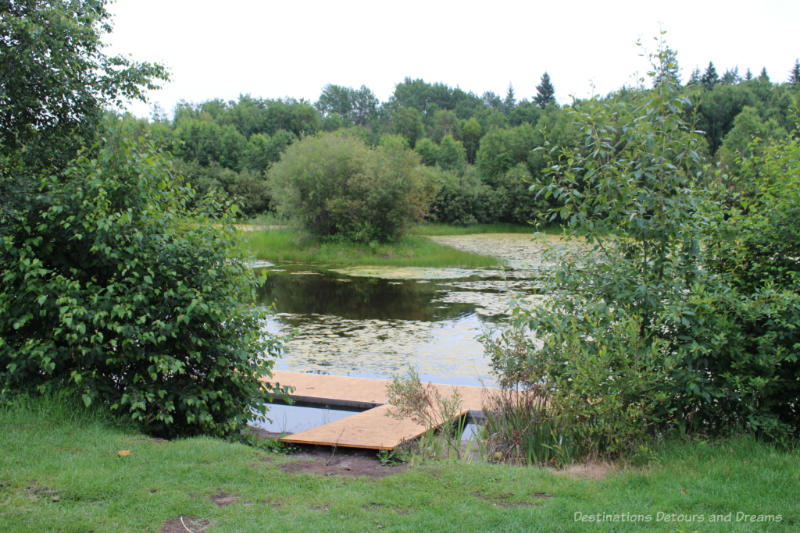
222, 499
324, 461
36, 492
183, 524
346, 463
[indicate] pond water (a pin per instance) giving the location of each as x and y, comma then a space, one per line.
379, 321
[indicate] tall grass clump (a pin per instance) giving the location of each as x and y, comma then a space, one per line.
442, 415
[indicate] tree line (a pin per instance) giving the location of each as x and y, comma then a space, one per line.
487, 150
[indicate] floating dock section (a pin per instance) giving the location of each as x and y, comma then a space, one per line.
374, 428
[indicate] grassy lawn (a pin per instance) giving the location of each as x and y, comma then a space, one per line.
284, 245
60, 470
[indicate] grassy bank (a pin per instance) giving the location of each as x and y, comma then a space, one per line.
60, 470
284, 245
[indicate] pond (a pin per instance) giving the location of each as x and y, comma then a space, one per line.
379, 321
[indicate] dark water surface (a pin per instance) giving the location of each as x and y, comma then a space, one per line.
359, 325
379, 321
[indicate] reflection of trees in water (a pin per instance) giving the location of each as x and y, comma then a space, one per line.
378, 327
356, 298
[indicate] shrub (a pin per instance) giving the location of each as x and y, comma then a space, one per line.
685, 314
113, 287
593, 386
333, 184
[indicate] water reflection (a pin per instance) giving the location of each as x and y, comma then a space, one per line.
376, 322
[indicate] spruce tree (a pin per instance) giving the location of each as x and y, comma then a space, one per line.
731, 76
545, 93
709, 77
794, 76
510, 102
694, 79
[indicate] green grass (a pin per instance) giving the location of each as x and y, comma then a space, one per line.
263, 219
285, 245
59, 470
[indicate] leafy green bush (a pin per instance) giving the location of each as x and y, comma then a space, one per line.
684, 314
113, 287
742, 324
461, 199
592, 386
333, 184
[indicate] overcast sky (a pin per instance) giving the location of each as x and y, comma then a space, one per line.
293, 48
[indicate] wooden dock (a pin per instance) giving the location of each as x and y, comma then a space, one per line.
373, 428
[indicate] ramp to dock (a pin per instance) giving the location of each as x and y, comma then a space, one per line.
373, 428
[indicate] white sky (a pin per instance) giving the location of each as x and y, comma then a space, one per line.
293, 48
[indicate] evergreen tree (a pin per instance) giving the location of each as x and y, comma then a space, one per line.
763, 76
794, 76
491, 100
545, 93
510, 102
694, 79
731, 76
748, 75
709, 77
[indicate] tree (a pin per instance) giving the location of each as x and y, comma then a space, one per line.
694, 78
510, 102
502, 149
709, 78
668, 68
471, 133
492, 101
794, 76
545, 93
333, 184
355, 107
407, 121
747, 137
428, 151
717, 110
626, 187
55, 80
231, 145
445, 122
452, 155
731, 76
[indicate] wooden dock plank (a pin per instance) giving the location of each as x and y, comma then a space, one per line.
363, 393
372, 430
